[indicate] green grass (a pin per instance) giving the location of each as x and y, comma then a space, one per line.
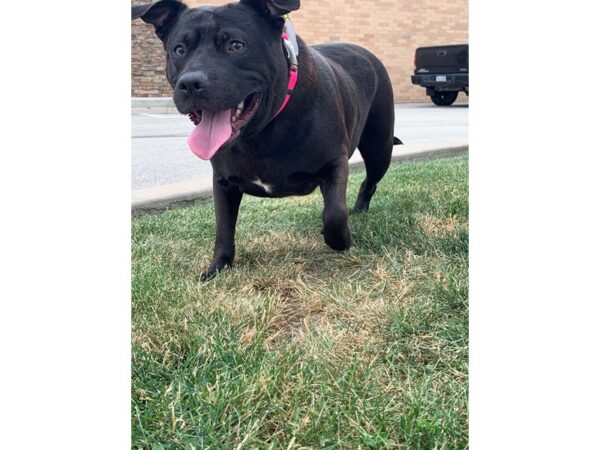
299, 346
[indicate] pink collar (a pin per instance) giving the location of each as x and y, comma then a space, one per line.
293, 73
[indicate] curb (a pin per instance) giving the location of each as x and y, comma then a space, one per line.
419, 152
157, 105
160, 198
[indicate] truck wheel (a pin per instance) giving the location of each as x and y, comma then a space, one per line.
444, 98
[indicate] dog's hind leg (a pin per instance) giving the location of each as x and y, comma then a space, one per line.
375, 145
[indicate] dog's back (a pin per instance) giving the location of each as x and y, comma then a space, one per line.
365, 89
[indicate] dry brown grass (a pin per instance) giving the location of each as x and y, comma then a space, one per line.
436, 226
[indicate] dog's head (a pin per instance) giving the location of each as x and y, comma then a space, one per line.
226, 64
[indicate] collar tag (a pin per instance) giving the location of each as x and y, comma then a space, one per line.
288, 28
289, 49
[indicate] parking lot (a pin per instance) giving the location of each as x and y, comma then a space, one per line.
160, 154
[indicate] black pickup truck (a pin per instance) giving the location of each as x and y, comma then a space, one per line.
443, 71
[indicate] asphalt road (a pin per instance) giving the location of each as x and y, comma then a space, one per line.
160, 154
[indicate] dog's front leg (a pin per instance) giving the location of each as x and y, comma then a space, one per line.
335, 211
227, 198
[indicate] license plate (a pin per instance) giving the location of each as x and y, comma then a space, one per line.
440, 78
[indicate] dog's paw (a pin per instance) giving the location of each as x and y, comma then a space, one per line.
337, 239
206, 275
360, 208
336, 231
214, 268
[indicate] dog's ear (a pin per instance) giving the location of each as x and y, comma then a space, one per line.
162, 14
273, 7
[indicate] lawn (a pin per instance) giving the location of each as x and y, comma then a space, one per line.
299, 346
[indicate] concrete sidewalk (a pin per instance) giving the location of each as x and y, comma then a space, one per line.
159, 198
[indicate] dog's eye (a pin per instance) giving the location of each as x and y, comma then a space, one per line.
236, 46
179, 50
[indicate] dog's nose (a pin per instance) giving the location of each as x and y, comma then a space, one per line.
192, 82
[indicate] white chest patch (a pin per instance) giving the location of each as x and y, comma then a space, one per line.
267, 188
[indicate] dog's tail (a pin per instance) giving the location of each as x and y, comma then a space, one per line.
397, 141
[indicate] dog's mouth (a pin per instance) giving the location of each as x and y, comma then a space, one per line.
214, 129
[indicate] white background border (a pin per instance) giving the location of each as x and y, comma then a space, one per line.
65, 171
534, 225
65, 178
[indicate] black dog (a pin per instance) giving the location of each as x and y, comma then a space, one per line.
234, 70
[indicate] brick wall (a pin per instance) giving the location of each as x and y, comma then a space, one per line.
147, 61
391, 29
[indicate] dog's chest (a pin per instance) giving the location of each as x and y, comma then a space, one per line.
259, 185
268, 188
274, 175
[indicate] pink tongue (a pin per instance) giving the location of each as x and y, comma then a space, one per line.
210, 134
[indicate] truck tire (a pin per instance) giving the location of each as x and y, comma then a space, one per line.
444, 98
